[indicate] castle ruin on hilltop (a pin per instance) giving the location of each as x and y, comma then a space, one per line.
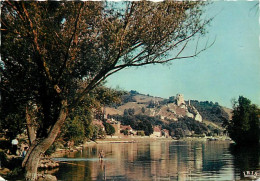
179, 99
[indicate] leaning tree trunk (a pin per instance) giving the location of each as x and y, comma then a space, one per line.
32, 158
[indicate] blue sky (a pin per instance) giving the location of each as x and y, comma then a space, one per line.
231, 67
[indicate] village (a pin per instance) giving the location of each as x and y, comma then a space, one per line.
126, 131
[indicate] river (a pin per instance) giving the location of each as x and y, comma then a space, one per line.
160, 160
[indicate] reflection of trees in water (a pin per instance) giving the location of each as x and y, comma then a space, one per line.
213, 156
213, 166
68, 172
245, 158
143, 155
162, 160
77, 170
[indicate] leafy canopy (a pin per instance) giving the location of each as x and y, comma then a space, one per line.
244, 128
54, 54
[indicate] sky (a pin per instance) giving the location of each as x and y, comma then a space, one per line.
228, 69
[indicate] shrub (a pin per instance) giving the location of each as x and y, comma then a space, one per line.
125, 132
3, 159
140, 133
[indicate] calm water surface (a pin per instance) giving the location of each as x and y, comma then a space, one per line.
162, 160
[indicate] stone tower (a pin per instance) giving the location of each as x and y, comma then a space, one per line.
179, 99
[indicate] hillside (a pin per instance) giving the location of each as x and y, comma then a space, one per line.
175, 114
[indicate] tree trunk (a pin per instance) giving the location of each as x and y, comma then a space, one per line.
30, 126
32, 159
32, 164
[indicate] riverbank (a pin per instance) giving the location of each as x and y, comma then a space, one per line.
147, 138
132, 139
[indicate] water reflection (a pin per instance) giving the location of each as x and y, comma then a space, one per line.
245, 159
162, 160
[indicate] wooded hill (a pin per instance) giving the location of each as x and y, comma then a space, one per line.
180, 117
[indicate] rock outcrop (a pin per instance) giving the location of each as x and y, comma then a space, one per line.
47, 163
198, 117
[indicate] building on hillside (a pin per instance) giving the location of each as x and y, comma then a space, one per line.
156, 132
127, 128
111, 121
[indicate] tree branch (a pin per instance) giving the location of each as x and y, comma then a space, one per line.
61, 70
36, 44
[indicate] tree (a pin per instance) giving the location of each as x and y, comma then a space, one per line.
179, 133
110, 130
75, 130
81, 116
146, 126
50, 48
244, 128
143, 110
12, 115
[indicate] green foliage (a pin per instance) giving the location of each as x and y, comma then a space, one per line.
190, 124
129, 97
151, 104
138, 122
140, 133
244, 128
98, 132
210, 111
14, 163
198, 135
95, 132
12, 115
146, 126
3, 158
171, 99
110, 130
125, 132
129, 112
179, 133
56, 145
15, 174
5, 144
75, 130
78, 125
134, 92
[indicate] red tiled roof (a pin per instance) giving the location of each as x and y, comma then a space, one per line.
166, 131
127, 127
156, 129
